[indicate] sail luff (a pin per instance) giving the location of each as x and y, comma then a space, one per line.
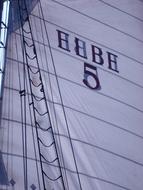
28, 32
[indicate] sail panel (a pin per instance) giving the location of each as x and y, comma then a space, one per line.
98, 32
97, 132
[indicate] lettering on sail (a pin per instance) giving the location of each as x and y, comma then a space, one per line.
90, 70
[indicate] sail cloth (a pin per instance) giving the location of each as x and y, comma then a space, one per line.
90, 59
3, 174
14, 13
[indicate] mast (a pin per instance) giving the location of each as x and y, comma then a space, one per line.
3, 43
4, 18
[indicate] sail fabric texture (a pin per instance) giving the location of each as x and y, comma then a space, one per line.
97, 128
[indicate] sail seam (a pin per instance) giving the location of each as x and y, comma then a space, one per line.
116, 51
96, 20
102, 94
81, 173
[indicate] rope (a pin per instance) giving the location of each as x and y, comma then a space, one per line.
62, 104
42, 89
50, 85
22, 119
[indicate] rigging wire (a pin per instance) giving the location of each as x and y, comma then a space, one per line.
21, 105
36, 159
65, 116
25, 119
22, 93
50, 86
8, 125
11, 113
41, 91
25, 115
22, 40
12, 126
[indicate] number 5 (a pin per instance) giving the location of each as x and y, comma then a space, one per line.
87, 73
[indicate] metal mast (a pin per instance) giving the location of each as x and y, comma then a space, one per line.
3, 42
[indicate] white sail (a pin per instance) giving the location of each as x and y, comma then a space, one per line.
72, 113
